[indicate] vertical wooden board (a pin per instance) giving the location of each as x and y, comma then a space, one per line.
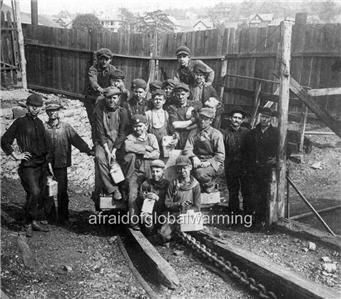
225, 42
252, 46
306, 71
315, 74
262, 39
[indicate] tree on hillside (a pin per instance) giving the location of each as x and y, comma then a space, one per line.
128, 20
87, 22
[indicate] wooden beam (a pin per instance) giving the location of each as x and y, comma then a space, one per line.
324, 92
222, 75
303, 126
34, 12
283, 109
253, 120
283, 282
21, 43
312, 104
166, 273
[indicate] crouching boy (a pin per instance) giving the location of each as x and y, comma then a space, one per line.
183, 194
153, 191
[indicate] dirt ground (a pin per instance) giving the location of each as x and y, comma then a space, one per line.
83, 260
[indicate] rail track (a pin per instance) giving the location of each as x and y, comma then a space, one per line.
259, 277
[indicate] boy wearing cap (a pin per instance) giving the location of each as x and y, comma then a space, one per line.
140, 148
31, 138
182, 194
182, 116
157, 118
205, 146
206, 94
156, 188
116, 78
112, 124
236, 179
137, 104
168, 87
260, 156
98, 76
61, 136
186, 65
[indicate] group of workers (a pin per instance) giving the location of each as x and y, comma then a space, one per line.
129, 127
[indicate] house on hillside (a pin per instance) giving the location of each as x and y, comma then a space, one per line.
203, 24
260, 20
26, 17
111, 21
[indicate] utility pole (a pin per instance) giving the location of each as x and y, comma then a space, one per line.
284, 88
34, 12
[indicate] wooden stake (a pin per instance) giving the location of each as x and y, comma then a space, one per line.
16, 4
34, 12
222, 77
286, 30
304, 123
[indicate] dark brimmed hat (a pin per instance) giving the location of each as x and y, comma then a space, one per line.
208, 112
182, 86
53, 106
155, 85
138, 83
199, 68
137, 119
110, 91
183, 161
158, 164
168, 82
117, 74
237, 109
158, 92
104, 52
183, 50
34, 100
266, 111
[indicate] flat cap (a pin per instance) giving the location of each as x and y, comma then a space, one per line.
110, 91
238, 109
159, 92
139, 83
183, 161
137, 119
208, 112
266, 111
183, 50
116, 74
168, 82
158, 164
34, 100
181, 86
53, 106
155, 85
200, 68
104, 52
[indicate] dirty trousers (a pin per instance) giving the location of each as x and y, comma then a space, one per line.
236, 183
136, 169
206, 176
62, 197
33, 179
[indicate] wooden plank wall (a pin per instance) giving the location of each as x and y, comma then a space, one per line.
10, 63
316, 57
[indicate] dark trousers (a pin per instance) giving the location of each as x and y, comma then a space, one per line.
136, 169
236, 183
89, 103
62, 197
206, 176
33, 179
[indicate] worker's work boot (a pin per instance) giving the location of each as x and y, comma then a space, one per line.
39, 227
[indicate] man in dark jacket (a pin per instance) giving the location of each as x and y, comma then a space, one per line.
184, 72
30, 135
98, 76
206, 94
61, 136
234, 138
111, 128
260, 156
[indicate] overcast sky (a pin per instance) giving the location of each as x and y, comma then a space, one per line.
84, 6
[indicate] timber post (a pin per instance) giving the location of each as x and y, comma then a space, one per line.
283, 108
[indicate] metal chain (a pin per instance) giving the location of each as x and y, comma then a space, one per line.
226, 266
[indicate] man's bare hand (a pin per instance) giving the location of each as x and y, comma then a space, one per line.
186, 203
196, 162
22, 156
205, 164
149, 148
